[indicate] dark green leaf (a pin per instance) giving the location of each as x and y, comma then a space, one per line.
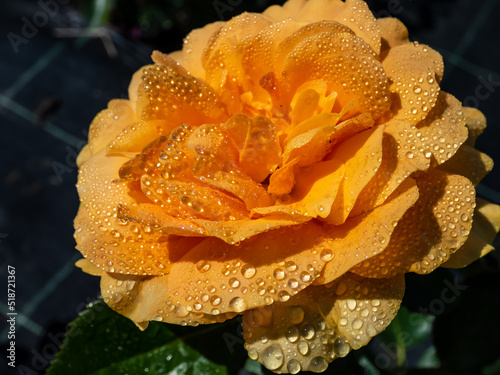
102, 342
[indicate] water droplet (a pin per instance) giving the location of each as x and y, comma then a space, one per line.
343, 321
357, 323
318, 364
234, 282
283, 296
203, 266
279, 274
248, 271
215, 300
326, 255
238, 304
290, 266
293, 366
305, 276
252, 353
410, 155
181, 312
294, 314
292, 283
341, 288
292, 334
272, 357
341, 347
308, 332
303, 347
351, 304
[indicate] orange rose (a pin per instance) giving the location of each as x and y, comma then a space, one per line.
289, 166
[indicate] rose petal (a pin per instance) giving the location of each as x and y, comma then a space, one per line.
194, 45
216, 277
355, 14
109, 243
321, 323
361, 155
444, 127
365, 236
314, 192
469, 163
89, 268
404, 152
166, 94
485, 227
137, 299
257, 144
313, 145
393, 33
235, 231
475, 122
353, 76
430, 231
109, 123
412, 70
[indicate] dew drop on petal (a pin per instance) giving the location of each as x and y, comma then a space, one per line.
272, 357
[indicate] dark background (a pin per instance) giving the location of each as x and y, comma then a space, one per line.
53, 81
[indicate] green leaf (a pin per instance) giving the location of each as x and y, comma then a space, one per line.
102, 342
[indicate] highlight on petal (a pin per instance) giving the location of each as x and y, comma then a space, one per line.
322, 323
485, 227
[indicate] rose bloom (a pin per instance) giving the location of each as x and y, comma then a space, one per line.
291, 167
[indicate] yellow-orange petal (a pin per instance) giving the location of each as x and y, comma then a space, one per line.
404, 151
166, 94
412, 68
194, 46
314, 192
485, 227
435, 227
393, 33
137, 298
112, 244
235, 231
246, 189
364, 236
321, 323
215, 277
469, 163
361, 156
313, 145
354, 14
444, 128
329, 56
257, 143
475, 122
109, 123
89, 268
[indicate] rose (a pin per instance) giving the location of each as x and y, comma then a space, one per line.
290, 167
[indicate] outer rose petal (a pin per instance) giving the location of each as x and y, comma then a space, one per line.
137, 298
109, 123
215, 277
485, 227
393, 32
194, 45
365, 236
404, 152
355, 14
469, 163
321, 323
361, 155
475, 122
434, 228
412, 70
108, 242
